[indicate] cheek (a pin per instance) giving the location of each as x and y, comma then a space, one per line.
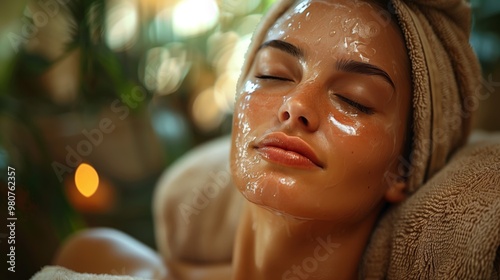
251, 117
342, 125
385, 139
362, 150
357, 174
252, 110
385, 148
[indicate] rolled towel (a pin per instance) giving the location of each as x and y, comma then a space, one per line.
61, 273
196, 207
450, 228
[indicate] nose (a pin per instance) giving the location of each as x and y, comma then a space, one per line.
298, 112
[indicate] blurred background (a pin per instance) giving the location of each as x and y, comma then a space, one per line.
99, 97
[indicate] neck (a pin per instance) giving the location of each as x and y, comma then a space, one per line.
273, 246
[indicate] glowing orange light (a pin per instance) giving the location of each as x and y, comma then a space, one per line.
86, 179
102, 201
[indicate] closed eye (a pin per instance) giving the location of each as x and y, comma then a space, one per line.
362, 108
269, 77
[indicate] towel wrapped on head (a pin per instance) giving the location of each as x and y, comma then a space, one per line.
446, 77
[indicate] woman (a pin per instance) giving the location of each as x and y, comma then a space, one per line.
342, 110
320, 121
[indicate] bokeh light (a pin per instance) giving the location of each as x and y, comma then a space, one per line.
193, 17
170, 125
86, 179
225, 90
206, 114
239, 7
122, 22
228, 52
220, 49
164, 68
103, 200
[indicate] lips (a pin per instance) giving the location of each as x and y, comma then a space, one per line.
287, 150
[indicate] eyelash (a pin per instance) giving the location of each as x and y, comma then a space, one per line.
356, 105
361, 108
268, 77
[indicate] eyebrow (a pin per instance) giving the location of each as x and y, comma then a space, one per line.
352, 66
344, 65
284, 46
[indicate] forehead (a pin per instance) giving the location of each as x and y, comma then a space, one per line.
358, 17
347, 29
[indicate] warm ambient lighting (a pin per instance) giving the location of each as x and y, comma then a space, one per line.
206, 114
122, 23
193, 17
86, 179
102, 201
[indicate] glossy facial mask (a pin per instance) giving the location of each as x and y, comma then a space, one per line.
336, 87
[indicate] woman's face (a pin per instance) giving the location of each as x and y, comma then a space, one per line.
321, 118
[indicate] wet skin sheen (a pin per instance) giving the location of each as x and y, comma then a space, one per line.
334, 78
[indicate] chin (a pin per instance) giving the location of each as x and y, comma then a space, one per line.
310, 206
282, 200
